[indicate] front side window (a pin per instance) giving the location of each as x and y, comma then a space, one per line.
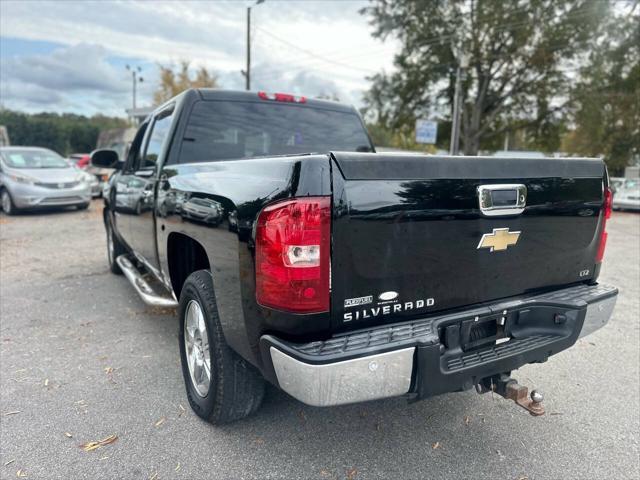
158, 137
134, 156
232, 130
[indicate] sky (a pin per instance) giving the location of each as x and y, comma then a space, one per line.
70, 56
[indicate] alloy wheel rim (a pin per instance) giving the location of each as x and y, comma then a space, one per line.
196, 343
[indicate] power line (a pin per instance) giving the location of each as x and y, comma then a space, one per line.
428, 42
312, 54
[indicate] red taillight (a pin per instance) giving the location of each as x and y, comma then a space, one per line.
282, 97
292, 255
607, 206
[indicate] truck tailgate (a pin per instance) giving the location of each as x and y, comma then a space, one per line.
409, 237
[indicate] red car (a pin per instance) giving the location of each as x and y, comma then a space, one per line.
81, 160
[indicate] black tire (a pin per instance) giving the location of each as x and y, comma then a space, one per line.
6, 202
235, 388
114, 248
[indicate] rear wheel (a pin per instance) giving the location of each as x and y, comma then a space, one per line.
114, 248
221, 386
7, 202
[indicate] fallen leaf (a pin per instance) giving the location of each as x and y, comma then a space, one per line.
259, 441
467, 419
523, 477
46, 382
351, 473
9, 462
177, 467
90, 446
21, 473
436, 445
68, 435
182, 410
324, 473
12, 413
160, 422
154, 476
303, 417
108, 370
363, 413
105, 457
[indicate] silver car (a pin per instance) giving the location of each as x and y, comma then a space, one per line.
627, 195
32, 177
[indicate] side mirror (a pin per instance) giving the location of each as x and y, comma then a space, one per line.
105, 159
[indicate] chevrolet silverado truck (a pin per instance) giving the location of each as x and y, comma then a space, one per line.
296, 255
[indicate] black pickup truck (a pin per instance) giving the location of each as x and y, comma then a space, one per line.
295, 253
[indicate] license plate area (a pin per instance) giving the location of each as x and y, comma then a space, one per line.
479, 332
475, 333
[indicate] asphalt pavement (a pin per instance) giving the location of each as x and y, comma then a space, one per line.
82, 359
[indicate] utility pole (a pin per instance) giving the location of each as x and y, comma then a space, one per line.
247, 72
461, 75
135, 78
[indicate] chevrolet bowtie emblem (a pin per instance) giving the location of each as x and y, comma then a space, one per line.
500, 239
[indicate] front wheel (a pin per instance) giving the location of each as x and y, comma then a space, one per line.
221, 386
7, 202
114, 248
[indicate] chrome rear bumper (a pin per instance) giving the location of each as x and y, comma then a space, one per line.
598, 315
320, 377
351, 381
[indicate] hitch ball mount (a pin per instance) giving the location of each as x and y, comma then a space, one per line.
508, 387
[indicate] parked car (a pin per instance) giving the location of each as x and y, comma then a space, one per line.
627, 195
519, 154
80, 160
100, 175
349, 276
616, 183
32, 177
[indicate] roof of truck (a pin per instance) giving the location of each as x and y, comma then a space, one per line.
243, 95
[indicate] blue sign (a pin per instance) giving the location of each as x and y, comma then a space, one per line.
426, 131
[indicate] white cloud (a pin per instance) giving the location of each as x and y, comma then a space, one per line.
76, 78
309, 47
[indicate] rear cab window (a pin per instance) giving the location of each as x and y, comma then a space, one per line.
219, 130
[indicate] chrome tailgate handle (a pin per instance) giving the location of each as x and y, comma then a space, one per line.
502, 199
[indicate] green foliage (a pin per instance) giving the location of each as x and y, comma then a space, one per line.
606, 100
518, 50
64, 133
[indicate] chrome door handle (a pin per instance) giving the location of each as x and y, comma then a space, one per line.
502, 199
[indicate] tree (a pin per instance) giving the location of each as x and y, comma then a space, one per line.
606, 100
67, 133
519, 54
173, 82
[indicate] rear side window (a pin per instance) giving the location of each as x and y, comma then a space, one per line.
233, 130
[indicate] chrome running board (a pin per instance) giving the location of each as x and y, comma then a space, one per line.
146, 292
